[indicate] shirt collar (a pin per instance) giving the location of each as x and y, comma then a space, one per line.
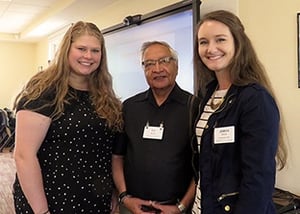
175, 95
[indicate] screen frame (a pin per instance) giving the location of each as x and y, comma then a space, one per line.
178, 7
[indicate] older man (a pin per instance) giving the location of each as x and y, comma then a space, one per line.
152, 163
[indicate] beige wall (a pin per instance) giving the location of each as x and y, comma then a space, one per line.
17, 63
270, 24
42, 53
115, 13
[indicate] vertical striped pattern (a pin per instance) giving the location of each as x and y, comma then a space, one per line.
217, 99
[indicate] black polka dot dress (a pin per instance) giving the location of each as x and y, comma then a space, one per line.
75, 159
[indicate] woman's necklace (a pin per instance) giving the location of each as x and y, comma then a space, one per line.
217, 98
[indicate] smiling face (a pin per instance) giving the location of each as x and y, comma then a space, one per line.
215, 45
84, 56
162, 75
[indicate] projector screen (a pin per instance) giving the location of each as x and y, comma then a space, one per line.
124, 57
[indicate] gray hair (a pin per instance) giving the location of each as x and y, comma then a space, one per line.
165, 44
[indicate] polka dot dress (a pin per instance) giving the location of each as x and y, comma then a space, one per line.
75, 159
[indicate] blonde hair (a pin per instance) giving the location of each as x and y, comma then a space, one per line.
56, 79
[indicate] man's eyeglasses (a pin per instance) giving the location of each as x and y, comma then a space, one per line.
148, 64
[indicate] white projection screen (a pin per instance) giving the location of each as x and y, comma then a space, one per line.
124, 58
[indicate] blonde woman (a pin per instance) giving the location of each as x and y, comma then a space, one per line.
67, 120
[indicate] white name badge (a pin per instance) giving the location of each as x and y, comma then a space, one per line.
224, 135
153, 132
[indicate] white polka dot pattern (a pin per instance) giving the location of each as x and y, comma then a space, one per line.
75, 159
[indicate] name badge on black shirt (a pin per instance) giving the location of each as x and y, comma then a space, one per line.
153, 132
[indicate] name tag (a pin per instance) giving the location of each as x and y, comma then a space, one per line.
224, 135
153, 132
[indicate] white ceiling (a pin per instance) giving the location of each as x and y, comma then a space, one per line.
28, 20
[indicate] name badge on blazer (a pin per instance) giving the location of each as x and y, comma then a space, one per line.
224, 135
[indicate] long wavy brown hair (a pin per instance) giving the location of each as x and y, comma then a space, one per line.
245, 67
56, 78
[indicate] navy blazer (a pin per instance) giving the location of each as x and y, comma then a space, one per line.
239, 177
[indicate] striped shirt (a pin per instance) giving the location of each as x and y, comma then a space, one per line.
211, 106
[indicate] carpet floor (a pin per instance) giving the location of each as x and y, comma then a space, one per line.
7, 176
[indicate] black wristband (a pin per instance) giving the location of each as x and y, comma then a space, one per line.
122, 196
